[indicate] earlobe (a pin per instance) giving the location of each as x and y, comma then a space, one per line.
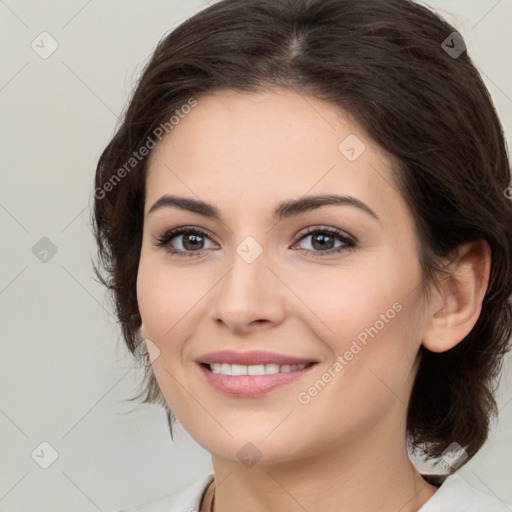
455, 309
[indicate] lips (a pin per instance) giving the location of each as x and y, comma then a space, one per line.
253, 385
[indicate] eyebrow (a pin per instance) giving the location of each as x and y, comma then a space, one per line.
283, 210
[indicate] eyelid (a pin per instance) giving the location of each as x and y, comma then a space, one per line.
311, 229
169, 234
348, 241
328, 229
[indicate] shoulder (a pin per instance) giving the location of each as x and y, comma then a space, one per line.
185, 500
456, 495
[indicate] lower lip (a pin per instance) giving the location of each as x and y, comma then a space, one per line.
249, 386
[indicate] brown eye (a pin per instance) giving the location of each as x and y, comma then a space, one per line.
324, 241
191, 241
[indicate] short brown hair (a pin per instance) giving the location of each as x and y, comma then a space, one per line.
385, 62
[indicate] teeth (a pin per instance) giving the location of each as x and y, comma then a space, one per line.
255, 369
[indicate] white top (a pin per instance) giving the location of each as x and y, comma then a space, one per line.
454, 495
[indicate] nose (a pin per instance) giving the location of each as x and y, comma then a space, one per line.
250, 296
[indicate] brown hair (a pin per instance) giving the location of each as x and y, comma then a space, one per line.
386, 62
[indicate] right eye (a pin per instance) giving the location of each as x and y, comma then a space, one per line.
192, 241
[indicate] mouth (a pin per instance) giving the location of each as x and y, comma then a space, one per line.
253, 380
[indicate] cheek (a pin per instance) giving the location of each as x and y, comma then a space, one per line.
380, 355
349, 301
375, 317
165, 297
370, 376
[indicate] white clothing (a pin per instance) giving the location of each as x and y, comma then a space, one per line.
454, 495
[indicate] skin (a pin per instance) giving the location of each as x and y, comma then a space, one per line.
345, 450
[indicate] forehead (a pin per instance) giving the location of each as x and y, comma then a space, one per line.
269, 146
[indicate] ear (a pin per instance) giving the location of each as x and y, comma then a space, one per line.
456, 304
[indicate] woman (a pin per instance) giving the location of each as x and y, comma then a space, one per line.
304, 215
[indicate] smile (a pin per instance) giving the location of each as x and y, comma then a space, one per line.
252, 381
256, 369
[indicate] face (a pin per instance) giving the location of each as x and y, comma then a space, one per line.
335, 284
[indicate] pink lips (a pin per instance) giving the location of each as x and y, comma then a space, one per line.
251, 386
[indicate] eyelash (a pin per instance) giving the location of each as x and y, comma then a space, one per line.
349, 243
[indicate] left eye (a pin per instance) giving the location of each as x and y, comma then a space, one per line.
322, 240
192, 241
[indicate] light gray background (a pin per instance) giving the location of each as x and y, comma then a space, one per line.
64, 370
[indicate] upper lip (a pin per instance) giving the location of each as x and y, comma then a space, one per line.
252, 357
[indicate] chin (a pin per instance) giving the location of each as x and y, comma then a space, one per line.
252, 449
